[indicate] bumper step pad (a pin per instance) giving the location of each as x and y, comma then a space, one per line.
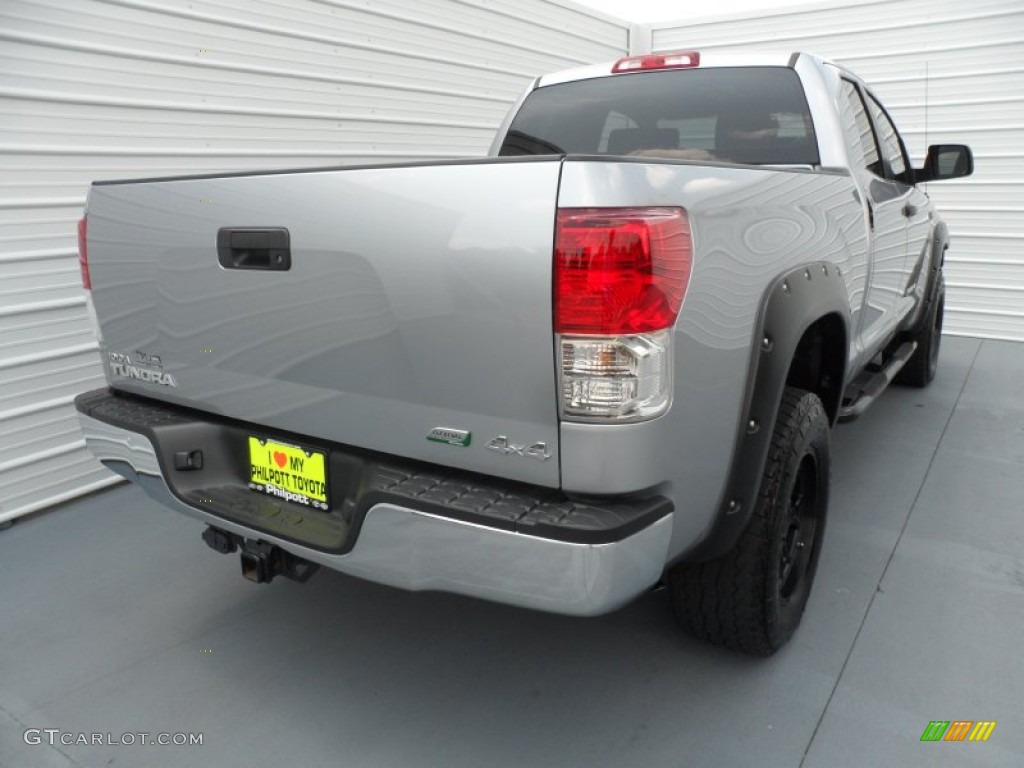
358, 480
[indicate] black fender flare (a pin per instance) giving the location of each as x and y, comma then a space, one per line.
940, 244
795, 300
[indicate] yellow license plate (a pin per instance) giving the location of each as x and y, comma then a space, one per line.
288, 472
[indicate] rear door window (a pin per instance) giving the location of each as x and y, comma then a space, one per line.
889, 137
859, 135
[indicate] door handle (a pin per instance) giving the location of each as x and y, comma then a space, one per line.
267, 248
909, 210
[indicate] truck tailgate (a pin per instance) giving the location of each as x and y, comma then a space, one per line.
418, 297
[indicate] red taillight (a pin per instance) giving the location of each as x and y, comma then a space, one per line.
669, 60
620, 270
83, 254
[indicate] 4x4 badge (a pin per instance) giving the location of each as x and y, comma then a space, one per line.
537, 451
457, 437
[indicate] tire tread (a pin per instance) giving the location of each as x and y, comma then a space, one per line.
725, 601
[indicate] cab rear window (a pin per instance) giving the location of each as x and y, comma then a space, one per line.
749, 115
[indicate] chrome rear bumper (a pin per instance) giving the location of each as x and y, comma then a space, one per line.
415, 550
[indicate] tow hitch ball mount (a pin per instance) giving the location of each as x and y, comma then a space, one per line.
261, 561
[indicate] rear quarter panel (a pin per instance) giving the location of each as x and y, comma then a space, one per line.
749, 226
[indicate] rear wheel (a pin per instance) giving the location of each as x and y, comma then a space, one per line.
751, 598
920, 368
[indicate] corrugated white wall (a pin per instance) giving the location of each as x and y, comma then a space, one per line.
948, 71
100, 89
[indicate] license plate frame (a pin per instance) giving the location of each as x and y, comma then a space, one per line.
289, 472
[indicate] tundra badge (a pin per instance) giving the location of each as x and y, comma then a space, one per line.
144, 367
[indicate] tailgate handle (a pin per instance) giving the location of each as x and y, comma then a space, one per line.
266, 248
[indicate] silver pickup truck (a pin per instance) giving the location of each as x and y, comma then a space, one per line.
604, 358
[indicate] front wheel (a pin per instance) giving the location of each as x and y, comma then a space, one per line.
920, 368
751, 598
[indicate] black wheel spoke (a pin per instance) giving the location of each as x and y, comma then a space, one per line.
794, 556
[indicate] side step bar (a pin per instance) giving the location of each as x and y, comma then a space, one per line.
864, 389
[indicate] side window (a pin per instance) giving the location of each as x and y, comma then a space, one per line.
616, 121
857, 127
694, 133
793, 126
889, 138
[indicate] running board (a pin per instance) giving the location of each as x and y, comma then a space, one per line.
870, 384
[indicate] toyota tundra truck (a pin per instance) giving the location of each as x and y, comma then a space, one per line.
604, 358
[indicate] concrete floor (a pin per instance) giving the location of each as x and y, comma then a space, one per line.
114, 617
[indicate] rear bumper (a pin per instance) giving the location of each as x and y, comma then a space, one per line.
410, 526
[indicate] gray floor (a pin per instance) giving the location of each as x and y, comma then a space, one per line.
116, 618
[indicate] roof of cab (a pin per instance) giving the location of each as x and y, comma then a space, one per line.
707, 60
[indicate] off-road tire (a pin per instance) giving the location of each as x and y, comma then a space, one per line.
920, 368
751, 598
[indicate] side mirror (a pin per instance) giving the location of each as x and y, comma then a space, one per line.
945, 161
